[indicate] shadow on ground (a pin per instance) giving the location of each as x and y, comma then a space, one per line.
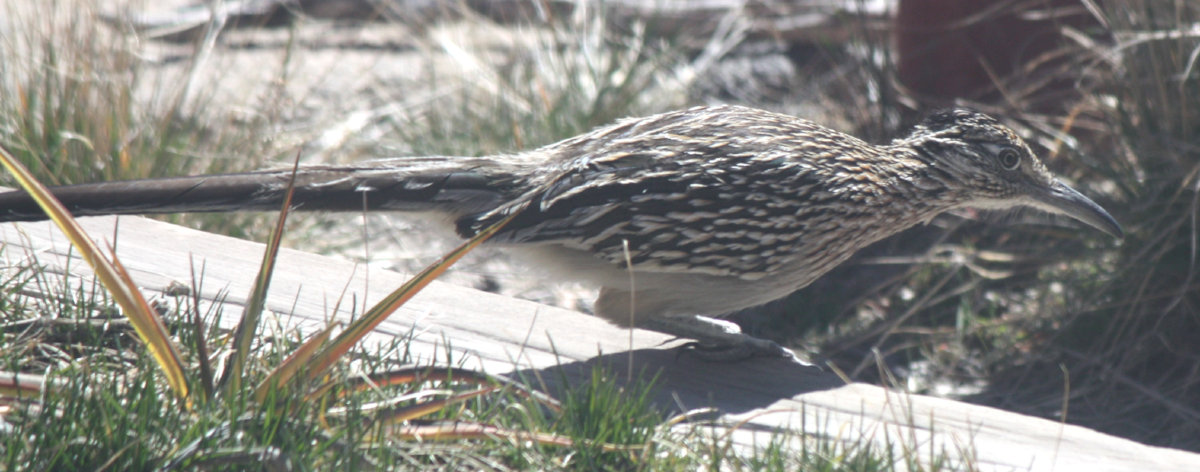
685, 382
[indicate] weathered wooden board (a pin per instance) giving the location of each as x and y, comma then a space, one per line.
515, 337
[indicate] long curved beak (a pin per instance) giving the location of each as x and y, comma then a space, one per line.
1059, 198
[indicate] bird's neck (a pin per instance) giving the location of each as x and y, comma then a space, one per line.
920, 187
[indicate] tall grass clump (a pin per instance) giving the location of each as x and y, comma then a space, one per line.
560, 76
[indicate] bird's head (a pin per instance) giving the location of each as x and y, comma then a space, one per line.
995, 169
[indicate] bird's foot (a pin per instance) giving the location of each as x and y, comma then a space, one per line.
744, 348
720, 340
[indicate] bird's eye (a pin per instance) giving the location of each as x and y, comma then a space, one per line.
1010, 159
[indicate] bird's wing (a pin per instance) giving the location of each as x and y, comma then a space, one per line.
675, 214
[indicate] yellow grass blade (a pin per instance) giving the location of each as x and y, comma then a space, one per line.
400, 415
360, 327
111, 274
459, 431
282, 374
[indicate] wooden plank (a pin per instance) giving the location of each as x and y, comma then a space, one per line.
523, 339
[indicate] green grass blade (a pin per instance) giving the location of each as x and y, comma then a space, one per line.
111, 274
248, 326
413, 375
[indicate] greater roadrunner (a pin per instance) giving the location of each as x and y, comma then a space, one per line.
714, 208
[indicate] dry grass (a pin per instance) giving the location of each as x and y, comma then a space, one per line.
1132, 325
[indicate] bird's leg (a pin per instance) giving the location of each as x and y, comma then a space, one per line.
718, 340
715, 340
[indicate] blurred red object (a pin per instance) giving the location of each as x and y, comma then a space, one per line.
963, 49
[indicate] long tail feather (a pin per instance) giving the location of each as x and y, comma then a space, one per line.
400, 185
